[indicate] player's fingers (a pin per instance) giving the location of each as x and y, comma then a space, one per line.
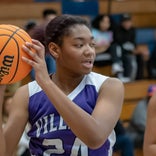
34, 57
37, 46
28, 61
37, 43
28, 50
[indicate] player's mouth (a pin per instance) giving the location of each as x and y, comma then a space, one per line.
88, 64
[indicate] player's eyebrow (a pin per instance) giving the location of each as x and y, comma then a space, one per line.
82, 38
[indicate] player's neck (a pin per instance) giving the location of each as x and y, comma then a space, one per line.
66, 84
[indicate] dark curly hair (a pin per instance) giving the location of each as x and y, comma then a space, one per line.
47, 12
96, 21
60, 26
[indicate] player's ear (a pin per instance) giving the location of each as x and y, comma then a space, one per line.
54, 49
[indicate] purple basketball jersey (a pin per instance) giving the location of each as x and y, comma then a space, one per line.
49, 134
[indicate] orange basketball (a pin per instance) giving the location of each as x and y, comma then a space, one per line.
12, 67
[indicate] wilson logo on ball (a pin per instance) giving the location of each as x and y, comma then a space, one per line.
6, 65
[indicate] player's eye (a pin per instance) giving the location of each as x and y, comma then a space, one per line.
78, 45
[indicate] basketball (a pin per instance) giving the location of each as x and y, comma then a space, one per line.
12, 67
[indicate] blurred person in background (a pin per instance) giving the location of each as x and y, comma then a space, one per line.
101, 29
124, 144
124, 38
29, 26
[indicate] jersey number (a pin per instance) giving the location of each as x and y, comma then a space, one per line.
58, 147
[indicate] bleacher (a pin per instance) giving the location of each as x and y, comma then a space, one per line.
143, 12
134, 91
19, 11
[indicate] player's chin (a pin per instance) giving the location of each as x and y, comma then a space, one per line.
87, 71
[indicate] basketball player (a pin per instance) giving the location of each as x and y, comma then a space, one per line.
150, 135
71, 112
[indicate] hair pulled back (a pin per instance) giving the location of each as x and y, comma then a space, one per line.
60, 26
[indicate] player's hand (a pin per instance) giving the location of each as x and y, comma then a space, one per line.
37, 53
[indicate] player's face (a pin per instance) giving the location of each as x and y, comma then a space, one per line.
78, 50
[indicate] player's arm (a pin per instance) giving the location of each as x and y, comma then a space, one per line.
150, 130
93, 129
108, 107
16, 122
